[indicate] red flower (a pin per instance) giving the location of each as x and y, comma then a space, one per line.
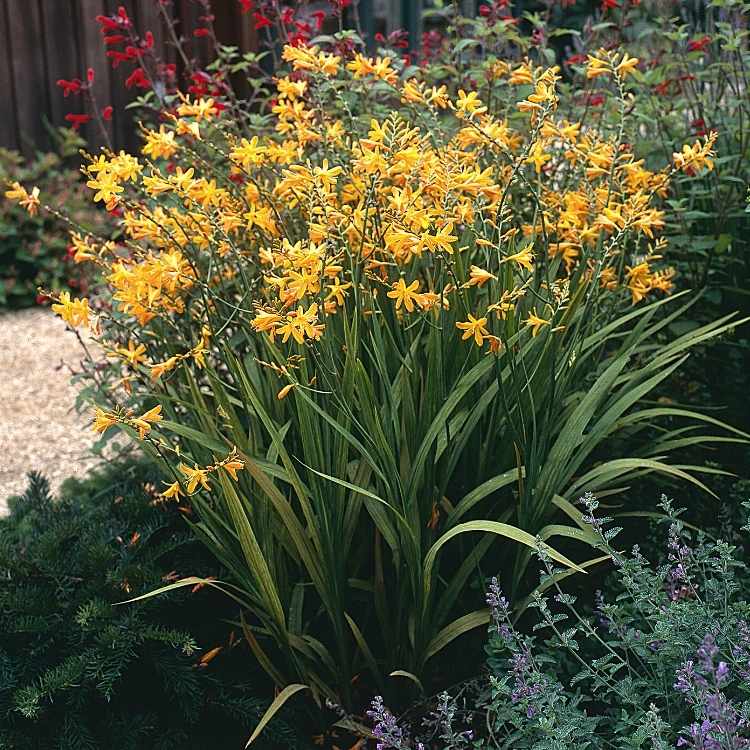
287, 15
246, 6
148, 41
485, 10
699, 45
69, 87
261, 20
77, 120
137, 78
596, 100
122, 16
107, 113
576, 59
319, 16
107, 23
201, 32
117, 57
610, 5
90, 75
114, 39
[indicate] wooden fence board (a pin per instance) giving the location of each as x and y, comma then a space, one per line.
24, 37
8, 124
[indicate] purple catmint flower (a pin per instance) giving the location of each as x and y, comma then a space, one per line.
499, 609
387, 732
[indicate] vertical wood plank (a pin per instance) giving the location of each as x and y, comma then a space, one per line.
120, 97
24, 40
62, 59
92, 56
8, 105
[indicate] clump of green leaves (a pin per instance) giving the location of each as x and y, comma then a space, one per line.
33, 249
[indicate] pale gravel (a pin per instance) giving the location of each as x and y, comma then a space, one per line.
39, 426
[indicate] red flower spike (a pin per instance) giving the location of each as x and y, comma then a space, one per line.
138, 79
107, 24
69, 87
699, 45
77, 120
261, 21
122, 16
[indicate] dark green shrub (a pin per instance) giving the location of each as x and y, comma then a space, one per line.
77, 672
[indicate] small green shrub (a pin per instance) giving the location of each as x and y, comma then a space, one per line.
33, 248
77, 672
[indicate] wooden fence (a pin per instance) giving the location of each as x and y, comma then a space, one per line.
42, 41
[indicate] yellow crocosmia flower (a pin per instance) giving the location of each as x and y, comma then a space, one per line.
441, 241
160, 144
523, 257
143, 423
285, 391
134, 354
193, 129
174, 490
126, 167
536, 323
468, 105
301, 323
103, 420
290, 89
412, 92
195, 476
597, 67
627, 66
30, 201
538, 157
521, 75
106, 187
405, 295
232, 466
158, 369
248, 153
201, 109
479, 277
694, 158
474, 328
361, 66
337, 291
74, 312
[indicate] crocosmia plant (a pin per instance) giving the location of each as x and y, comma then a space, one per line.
380, 343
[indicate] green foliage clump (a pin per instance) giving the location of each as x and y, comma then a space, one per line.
33, 249
79, 672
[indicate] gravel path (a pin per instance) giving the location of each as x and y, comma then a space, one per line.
39, 427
